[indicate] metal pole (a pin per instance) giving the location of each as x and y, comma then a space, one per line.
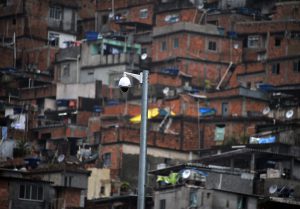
143, 143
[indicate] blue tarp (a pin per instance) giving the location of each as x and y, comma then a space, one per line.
170, 71
262, 140
4, 132
91, 36
62, 102
205, 111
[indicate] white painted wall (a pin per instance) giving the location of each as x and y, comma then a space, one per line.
157, 152
50, 104
73, 91
103, 74
63, 37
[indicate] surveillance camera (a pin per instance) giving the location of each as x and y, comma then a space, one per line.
124, 83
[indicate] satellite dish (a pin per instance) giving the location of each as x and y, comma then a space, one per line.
111, 15
167, 18
186, 174
144, 56
266, 110
61, 158
166, 91
200, 6
289, 114
273, 189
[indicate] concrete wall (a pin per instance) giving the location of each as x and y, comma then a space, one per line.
180, 197
98, 178
230, 200
101, 73
229, 182
16, 203
73, 91
58, 179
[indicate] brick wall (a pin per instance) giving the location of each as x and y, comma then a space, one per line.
168, 80
185, 15
71, 197
134, 14
196, 47
106, 5
288, 10
6, 57
286, 75
4, 194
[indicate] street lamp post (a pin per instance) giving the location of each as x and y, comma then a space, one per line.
124, 84
143, 143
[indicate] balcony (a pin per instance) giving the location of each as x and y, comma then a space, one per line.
38, 92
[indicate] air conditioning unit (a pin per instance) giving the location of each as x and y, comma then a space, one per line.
190, 174
161, 166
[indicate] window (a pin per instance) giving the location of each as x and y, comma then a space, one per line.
175, 43
162, 204
242, 202
276, 68
143, 13
104, 19
253, 41
3, 3
224, 108
68, 181
53, 39
277, 42
102, 190
14, 21
227, 203
193, 201
297, 66
213, 22
55, 13
66, 70
163, 46
144, 51
107, 160
212, 46
31, 192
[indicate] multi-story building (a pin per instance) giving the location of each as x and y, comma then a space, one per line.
221, 73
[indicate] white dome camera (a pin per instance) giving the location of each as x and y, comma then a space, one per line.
124, 83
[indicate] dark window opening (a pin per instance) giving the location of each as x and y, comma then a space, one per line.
144, 51
162, 204
107, 160
3, 3
175, 43
213, 22
53, 39
102, 190
242, 202
14, 21
224, 108
163, 45
104, 19
277, 42
276, 68
212, 45
297, 66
